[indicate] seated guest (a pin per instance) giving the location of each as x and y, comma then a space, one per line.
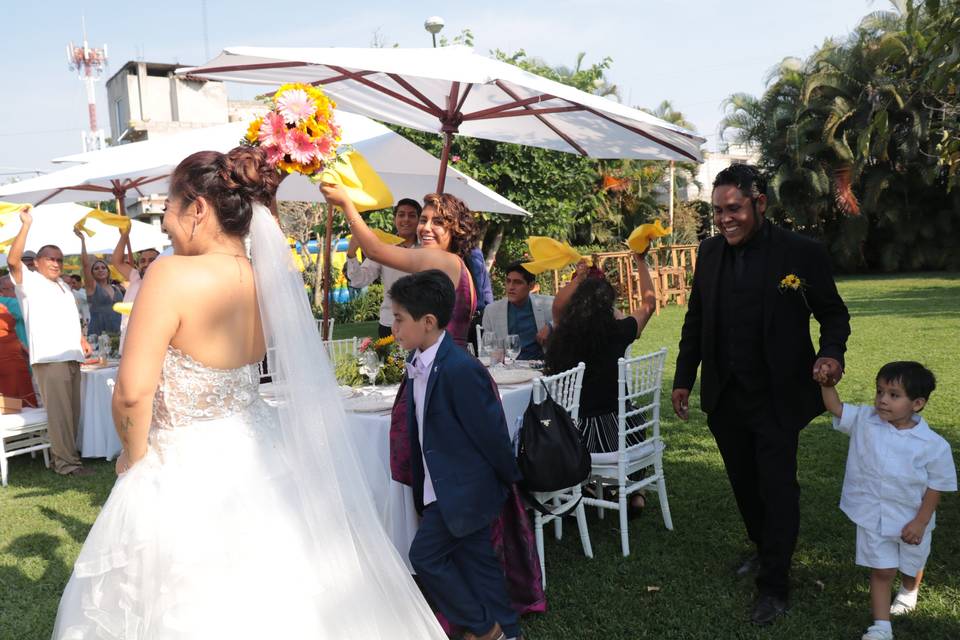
132, 274
521, 313
591, 330
406, 216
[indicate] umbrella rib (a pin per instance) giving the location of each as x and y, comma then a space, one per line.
483, 113
463, 98
342, 76
198, 75
542, 119
526, 112
643, 133
389, 92
409, 87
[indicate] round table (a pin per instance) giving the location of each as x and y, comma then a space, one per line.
96, 437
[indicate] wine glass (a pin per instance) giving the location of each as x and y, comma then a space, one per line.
370, 366
491, 349
512, 348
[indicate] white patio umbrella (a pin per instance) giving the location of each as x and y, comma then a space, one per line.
452, 90
406, 168
53, 224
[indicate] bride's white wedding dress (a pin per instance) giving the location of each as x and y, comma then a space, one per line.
245, 520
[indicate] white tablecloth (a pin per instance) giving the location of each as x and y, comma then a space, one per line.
394, 501
96, 437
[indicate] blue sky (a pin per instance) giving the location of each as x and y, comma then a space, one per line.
694, 52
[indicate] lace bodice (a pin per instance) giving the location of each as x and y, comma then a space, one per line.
190, 391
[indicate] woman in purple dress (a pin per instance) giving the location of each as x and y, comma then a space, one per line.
448, 232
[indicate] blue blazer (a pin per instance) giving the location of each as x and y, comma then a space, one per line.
465, 441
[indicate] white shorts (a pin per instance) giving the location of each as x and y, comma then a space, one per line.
888, 552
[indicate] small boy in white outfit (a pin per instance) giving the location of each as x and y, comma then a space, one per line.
896, 469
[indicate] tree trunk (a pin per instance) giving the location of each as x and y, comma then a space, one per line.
491, 244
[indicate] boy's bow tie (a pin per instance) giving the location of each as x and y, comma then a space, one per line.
417, 369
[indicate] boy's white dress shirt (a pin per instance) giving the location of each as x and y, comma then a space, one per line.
423, 362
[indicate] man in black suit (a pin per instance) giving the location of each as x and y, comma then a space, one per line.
748, 325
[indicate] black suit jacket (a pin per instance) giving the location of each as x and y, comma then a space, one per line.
788, 350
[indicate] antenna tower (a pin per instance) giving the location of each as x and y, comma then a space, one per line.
89, 64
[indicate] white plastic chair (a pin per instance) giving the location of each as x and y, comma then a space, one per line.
640, 380
330, 324
336, 349
565, 389
20, 433
266, 375
479, 344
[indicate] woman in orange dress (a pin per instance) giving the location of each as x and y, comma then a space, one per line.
14, 374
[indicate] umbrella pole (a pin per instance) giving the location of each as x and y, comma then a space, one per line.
444, 158
327, 240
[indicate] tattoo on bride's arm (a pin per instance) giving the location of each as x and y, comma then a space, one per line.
125, 424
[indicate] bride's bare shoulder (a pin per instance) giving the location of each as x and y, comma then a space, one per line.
175, 271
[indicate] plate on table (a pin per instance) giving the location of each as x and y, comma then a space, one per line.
347, 391
503, 376
372, 403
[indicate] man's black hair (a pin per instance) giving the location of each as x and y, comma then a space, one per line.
410, 202
917, 380
747, 178
47, 246
426, 292
517, 267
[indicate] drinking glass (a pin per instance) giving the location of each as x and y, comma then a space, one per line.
370, 366
512, 348
491, 349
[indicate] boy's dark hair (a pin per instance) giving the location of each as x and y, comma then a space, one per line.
517, 267
745, 177
426, 292
410, 202
917, 380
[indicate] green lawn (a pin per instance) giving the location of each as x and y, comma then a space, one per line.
43, 519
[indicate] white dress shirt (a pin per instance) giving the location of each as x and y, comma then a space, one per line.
424, 361
362, 274
889, 469
51, 317
133, 288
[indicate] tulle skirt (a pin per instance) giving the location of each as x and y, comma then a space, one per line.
204, 538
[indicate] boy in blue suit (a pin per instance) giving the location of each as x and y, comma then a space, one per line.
462, 462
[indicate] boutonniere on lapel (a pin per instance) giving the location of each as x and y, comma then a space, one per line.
793, 282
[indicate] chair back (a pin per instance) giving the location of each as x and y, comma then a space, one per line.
564, 388
267, 368
330, 324
640, 381
337, 349
479, 344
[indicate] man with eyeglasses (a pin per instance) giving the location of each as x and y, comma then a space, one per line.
56, 344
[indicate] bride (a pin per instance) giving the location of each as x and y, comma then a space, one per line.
231, 518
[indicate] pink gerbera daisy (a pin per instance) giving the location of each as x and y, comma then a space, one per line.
295, 105
300, 147
273, 131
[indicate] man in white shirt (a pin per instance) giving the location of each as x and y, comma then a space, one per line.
521, 313
57, 346
406, 216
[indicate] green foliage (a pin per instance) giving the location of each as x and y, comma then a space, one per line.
363, 308
867, 126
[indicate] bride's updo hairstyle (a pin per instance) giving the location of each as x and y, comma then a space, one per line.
231, 182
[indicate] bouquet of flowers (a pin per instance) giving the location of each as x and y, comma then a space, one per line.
298, 133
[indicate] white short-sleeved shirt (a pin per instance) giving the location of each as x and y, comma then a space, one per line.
362, 274
53, 324
889, 469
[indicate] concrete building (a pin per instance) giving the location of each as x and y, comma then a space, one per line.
713, 163
148, 101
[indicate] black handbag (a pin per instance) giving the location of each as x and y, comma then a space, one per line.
551, 454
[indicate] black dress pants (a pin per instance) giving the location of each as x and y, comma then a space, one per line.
760, 457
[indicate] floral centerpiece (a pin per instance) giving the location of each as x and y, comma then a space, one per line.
349, 369
298, 134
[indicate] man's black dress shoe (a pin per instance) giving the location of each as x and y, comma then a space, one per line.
750, 565
766, 609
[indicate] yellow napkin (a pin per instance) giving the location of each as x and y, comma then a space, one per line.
642, 236
123, 307
549, 254
387, 238
363, 185
9, 210
112, 219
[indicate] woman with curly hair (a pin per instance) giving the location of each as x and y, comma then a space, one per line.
447, 231
591, 330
